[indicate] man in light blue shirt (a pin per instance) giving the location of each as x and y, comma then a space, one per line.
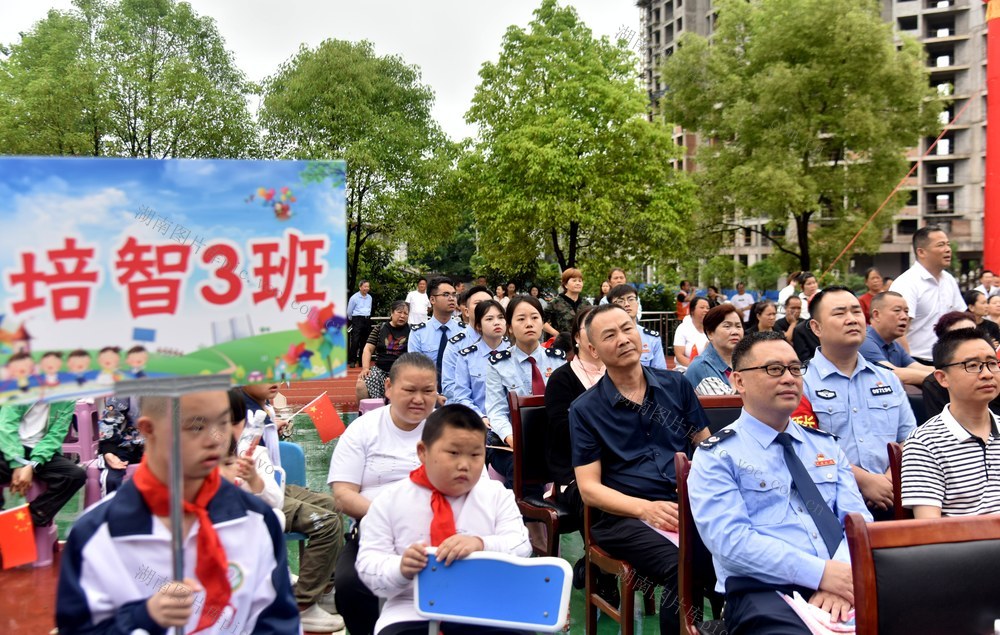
769, 498
359, 312
889, 321
861, 403
430, 338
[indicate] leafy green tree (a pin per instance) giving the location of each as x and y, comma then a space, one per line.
134, 78
342, 101
764, 274
805, 110
566, 162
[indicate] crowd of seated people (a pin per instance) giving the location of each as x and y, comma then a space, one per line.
769, 493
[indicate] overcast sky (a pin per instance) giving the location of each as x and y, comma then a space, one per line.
448, 39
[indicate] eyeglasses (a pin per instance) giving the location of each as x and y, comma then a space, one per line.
976, 366
629, 301
777, 370
445, 295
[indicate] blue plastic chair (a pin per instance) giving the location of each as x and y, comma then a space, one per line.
536, 592
293, 462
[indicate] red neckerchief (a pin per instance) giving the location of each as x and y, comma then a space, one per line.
211, 563
443, 522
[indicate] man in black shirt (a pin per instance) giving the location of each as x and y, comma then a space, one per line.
625, 431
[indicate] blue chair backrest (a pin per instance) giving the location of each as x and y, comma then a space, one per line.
536, 591
293, 461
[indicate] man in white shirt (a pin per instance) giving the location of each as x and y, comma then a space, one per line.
929, 290
986, 287
786, 292
742, 301
419, 303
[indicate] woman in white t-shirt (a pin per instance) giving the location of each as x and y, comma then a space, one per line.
690, 338
378, 449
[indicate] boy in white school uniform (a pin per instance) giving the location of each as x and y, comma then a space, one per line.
444, 503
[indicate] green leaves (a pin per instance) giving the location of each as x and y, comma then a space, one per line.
136, 78
565, 162
341, 100
809, 107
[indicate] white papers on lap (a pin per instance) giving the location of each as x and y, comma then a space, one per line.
672, 536
816, 619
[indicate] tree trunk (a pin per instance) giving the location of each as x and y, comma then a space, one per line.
559, 253
352, 267
574, 232
802, 229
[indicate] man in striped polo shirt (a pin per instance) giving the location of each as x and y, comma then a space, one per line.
951, 464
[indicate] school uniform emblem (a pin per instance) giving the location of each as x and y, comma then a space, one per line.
822, 461
826, 393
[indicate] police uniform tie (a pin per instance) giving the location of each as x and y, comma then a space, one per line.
441, 346
537, 383
826, 521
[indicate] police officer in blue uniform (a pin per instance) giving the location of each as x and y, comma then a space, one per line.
468, 336
861, 403
432, 337
465, 369
524, 369
625, 296
769, 498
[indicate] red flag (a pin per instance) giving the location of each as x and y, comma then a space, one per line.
17, 537
324, 416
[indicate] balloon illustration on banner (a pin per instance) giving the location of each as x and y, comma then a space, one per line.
282, 207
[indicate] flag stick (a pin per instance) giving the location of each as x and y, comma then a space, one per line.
306, 406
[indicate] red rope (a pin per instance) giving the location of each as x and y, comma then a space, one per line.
895, 189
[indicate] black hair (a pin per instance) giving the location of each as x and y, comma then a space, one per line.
971, 296
16, 357
620, 291
604, 308
746, 344
943, 352
415, 360
517, 300
471, 291
580, 318
436, 282
869, 271
818, 298
564, 342
421, 278
454, 416
985, 271
879, 299
79, 352
53, 354
613, 270
760, 305
694, 303
482, 309
362, 283
237, 406
110, 349
922, 237
790, 298
136, 349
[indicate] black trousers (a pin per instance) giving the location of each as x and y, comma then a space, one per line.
447, 628
63, 478
361, 326
355, 603
753, 606
653, 557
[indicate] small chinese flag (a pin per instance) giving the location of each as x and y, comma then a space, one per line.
324, 416
17, 537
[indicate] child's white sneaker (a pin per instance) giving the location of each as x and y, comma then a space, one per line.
316, 620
